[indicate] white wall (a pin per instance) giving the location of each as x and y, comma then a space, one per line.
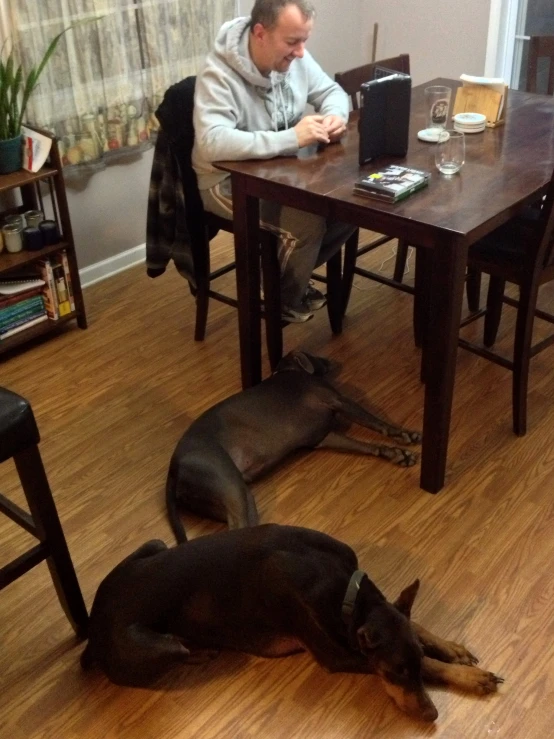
443, 38
108, 210
336, 38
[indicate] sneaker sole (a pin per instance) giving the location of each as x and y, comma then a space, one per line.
299, 318
317, 305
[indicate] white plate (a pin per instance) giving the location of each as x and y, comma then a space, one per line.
470, 119
430, 135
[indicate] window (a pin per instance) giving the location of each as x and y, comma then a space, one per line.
101, 88
512, 22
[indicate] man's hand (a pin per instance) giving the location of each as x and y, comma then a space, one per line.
311, 130
335, 127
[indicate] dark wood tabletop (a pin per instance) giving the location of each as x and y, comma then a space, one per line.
506, 167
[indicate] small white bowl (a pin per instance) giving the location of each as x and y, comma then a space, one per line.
470, 119
469, 131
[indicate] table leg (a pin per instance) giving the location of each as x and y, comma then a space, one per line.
421, 297
246, 225
335, 292
447, 265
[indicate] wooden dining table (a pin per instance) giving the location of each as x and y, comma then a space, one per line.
506, 168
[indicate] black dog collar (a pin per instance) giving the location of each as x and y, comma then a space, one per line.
349, 602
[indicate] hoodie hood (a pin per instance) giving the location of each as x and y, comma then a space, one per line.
231, 46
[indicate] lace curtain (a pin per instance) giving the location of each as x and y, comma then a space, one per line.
99, 91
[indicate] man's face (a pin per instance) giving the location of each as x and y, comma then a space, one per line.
280, 46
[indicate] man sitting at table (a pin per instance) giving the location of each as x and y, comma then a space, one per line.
249, 103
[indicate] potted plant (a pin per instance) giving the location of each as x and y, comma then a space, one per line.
15, 89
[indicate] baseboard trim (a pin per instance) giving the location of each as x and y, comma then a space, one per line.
111, 266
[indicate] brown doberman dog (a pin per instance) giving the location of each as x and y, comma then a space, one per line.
244, 436
271, 591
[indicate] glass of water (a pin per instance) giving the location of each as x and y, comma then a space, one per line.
450, 152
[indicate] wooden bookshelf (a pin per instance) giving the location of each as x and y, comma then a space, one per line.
29, 186
22, 178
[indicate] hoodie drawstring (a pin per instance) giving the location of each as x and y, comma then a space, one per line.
274, 111
283, 106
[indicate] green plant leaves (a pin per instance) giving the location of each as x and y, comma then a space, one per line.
35, 72
9, 88
16, 88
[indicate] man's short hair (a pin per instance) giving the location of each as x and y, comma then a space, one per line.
267, 12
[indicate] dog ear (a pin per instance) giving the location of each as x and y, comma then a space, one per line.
406, 599
285, 363
304, 361
369, 638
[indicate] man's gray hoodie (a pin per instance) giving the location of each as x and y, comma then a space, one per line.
240, 114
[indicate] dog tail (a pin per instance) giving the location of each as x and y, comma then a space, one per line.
172, 508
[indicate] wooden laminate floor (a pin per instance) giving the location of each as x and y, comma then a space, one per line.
111, 403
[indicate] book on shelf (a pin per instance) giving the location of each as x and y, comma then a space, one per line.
24, 308
13, 306
14, 287
20, 313
67, 273
23, 326
62, 292
64, 261
392, 183
49, 293
7, 300
21, 320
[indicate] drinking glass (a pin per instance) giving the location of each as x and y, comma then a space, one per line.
437, 105
450, 151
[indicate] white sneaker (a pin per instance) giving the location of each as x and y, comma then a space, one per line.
314, 298
296, 315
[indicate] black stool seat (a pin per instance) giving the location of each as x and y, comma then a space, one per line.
18, 428
19, 438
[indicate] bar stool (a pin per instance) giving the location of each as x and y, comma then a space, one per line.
19, 438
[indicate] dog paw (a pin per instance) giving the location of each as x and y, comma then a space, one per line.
407, 437
478, 681
486, 682
403, 457
458, 654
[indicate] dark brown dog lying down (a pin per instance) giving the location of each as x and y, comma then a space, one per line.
247, 434
271, 591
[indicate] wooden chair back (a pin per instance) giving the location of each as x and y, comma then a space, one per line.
546, 247
352, 79
522, 253
539, 47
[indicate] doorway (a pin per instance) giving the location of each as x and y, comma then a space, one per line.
512, 22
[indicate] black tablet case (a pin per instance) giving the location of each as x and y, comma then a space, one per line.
385, 117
